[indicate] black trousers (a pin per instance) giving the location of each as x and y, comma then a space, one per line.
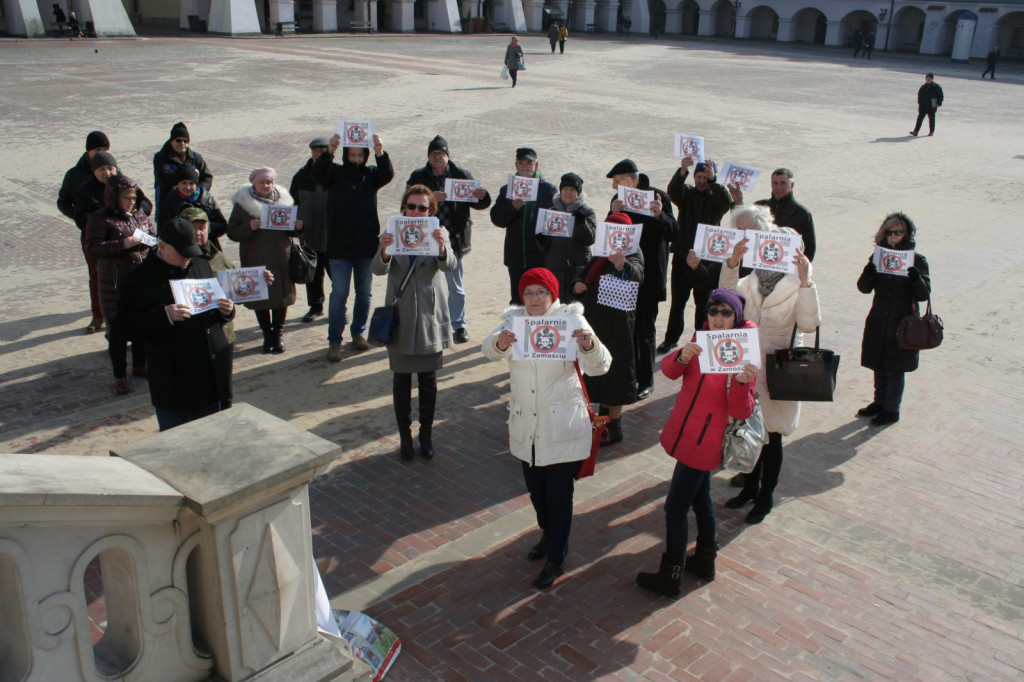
551, 489
761, 482
992, 68
681, 288
315, 289
921, 113
645, 341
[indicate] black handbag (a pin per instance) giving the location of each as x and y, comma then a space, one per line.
301, 263
802, 373
919, 332
384, 321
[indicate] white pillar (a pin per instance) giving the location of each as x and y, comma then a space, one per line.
443, 16
786, 28
533, 13
673, 21
743, 26
511, 14
188, 8
834, 33
706, 23
985, 33
234, 17
605, 14
584, 15
23, 19
107, 16
281, 10
402, 19
934, 38
325, 16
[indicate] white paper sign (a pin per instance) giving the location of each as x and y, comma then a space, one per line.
636, 200
277, 217
612, 238
739, 176
892, 262
689, 147
145, 237
544, 338
727, 351
199, 295
356, 133
771, 250
243, 285
715, 243
413, 236
461, 190
522, 188
555, 223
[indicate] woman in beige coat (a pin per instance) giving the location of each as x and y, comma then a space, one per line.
775, 302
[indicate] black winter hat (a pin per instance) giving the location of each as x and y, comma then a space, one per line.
180, 234
103, 159
622, 167
571, 180
185, 172
437, 144
96, 139
179, 130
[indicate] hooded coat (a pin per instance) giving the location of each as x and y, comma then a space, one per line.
269, 248
894, 298
311, 198
74, 178
105, 233
655, 238
567, 257
548, 419
353, 226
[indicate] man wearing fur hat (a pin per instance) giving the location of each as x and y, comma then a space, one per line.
659, 230
454, 216
704, 202
175, 153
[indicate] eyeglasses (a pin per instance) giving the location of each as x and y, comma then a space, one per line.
721, 312
181, 139
417, 207
896, 233
540, 293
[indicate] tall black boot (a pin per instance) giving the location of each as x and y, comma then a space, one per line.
401, 393
666, 580
277, 339
702, 562
428, 403
614, 432
263, 319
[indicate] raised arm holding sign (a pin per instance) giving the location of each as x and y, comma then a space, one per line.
356, 133
689, 147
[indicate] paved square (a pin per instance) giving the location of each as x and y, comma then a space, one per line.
891, 554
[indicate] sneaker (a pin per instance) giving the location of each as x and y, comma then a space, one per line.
359, 343
312, 314
333, 353
461, 335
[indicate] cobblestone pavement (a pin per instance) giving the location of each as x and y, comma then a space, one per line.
891, 554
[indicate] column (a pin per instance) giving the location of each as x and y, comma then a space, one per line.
234, 17
584, 15
673, 21
605, 14
786, 28
743, 26
107, 16
325, 16
706, 22
533, 13
281, 10
443, 16
934, 39
23, 19
834, 34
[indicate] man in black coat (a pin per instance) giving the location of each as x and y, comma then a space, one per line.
705, 202
353, 230
519, 220
174, 153
74, 178
659, 230
311, 198
929, 99
786, 210
453, 215
188, 357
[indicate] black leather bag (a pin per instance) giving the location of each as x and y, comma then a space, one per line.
802, 373
384, 321
920, 333
301, 263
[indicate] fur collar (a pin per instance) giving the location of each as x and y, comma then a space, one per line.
559, 309
249, 204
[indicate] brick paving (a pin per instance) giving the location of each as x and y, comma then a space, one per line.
892, 554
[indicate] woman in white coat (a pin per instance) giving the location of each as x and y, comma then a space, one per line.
549, 425
775, 302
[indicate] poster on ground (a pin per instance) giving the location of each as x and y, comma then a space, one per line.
728, 350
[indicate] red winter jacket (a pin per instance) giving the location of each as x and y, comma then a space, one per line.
695, 429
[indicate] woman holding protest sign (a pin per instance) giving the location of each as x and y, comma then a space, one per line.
424, 328
608, 288
549, 421
259, 245
693, 436
895, 298
775, 302
112, 239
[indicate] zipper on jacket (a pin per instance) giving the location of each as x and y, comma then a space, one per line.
707, 423
687, 416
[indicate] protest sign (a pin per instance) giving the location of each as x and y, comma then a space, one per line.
356, 133
199, 295
413, 236
728, 350
892, 262
739, 176
522, 188
689, 147
544, 338
243, 285
613, 238
277, 217
461, 190
145, 237
715, 243
636, 200
368, 640
771, 250
555, 223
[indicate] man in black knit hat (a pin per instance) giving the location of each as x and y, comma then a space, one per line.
175, 153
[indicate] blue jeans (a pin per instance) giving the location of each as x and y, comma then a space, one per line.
889, 390
168, 419
456, 296
343, 271
689, 488
551, 489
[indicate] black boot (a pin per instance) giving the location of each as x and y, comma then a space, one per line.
401, 393
762, 507
428, 402
268, 342
666, 580
540, 550
702, 562
277, 339
614, 432
547, 575
263, 319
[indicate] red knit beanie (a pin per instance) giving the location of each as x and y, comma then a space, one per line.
620, 218
541, 276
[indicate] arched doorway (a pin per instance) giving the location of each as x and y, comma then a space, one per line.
657, 10
691, 17
862, 21
809, 26
764, 23
949, 30
1010, 33
907, 30
725, 19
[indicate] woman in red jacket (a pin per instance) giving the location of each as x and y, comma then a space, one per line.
693, 435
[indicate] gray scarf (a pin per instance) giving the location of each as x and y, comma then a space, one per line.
272, 199
560, 205
767, 279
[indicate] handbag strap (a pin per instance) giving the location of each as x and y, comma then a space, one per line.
405, 282
586, 396
817, 337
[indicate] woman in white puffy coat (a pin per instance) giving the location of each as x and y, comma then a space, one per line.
549, 425
775, 302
